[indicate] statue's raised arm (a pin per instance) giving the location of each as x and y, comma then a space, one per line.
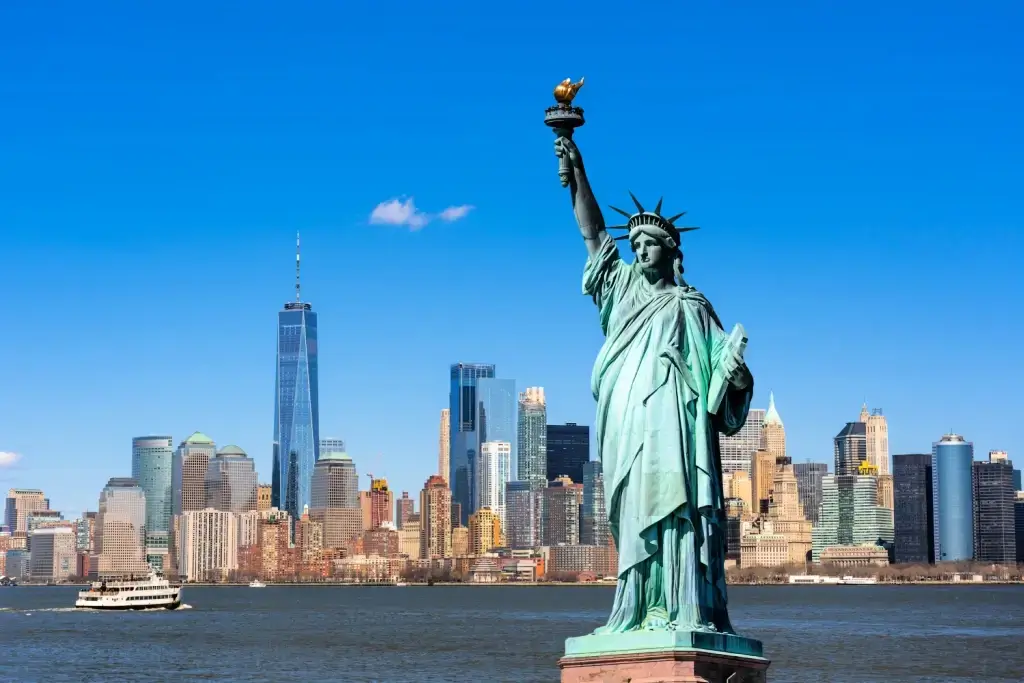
584, 204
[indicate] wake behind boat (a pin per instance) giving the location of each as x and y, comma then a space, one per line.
151, 592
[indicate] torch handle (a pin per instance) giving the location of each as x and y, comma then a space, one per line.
564, 165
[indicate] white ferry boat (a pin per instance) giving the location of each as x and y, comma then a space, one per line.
149, 593
858, 581
256, 583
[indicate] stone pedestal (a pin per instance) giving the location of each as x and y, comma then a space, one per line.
663, 657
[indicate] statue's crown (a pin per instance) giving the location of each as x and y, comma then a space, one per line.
652, 218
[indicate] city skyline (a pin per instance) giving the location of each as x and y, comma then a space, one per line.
153, 222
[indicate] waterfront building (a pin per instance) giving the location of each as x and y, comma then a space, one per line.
209, 545
20, 502
850, 448
53, 553
578, 559
522, 507
484, 531
533, 438
309, 546
231, 481
953, 498
495, 473
786, 513
914, 517
336, 499
263, 496
994, 525
763, 476
464, 437
273, 557
409, 539
568, 450
595, 529
850, 514
773, 432
460, 541
120, 530
296, 446
808, 483
1018, 524
435, 519
37, 519
86, 533
16, 564
405, 507
152, 467
855, 556
561, 512
762, 546
738, 450
444, 444
876, 440
188, 473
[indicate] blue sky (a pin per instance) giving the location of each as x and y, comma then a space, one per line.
856, 171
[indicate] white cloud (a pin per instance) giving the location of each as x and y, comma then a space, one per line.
7, 458
404, 212
454, 213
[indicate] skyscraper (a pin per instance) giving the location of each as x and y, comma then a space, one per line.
994, 527
953, 498
498, 411
405, 507
495, 473
738, 450
120, 530
808, 481
850, 514
595, 529
877, 438
444, 445
568, 450
231, 481
914, 518
188, 473
20, 503
465, 433
523, 508
435, 519
561, 512
773, 432
851, 448
533, 438
335, 499
296, 404
152, 468
764, 468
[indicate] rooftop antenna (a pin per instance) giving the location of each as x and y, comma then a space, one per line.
298, 298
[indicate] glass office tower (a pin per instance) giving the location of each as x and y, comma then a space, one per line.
152, 458
953, 498
465, 433
296, 405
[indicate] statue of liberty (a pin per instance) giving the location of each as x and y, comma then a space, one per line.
668, 380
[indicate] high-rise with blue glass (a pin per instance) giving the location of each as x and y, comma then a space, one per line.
953, 498
296, 404
498, 410
152, 458
464, 427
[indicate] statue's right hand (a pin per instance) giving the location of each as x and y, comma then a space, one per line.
565, 147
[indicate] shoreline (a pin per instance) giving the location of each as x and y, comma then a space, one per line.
538, 584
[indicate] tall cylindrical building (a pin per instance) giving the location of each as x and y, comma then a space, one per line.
953, 498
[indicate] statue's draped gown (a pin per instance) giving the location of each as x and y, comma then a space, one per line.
658, 445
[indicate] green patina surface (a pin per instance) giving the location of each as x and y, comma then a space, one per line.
634, 642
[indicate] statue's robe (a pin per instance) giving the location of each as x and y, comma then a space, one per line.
658, 444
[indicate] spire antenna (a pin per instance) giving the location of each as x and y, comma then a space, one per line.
298, 297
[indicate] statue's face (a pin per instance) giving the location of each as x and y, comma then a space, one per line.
651, 254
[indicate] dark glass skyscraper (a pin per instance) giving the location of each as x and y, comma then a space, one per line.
914, 518
296, 404
994, 526
464, 439
568, 451
808, 486
851, 448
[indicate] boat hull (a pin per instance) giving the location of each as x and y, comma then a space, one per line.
128, 608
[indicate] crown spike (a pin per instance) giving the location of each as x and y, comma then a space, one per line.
617, 227
639, 206
676, 217
688, 229
657, 209
621, 237
624, 213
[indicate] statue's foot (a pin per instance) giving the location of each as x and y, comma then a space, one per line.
655, 624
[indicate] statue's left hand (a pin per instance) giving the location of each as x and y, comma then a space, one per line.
734, 368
